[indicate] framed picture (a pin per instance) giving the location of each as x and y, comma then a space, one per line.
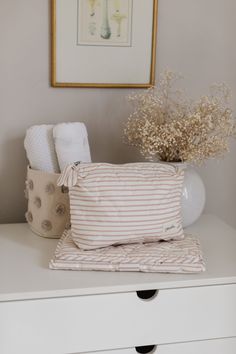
103, 43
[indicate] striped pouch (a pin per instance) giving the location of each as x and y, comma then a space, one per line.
121, 204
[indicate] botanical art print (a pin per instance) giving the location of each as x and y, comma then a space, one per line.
103, 43
104, 22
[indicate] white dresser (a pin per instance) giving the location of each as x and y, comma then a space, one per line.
46, 311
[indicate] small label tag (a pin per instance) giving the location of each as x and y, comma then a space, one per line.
170, 227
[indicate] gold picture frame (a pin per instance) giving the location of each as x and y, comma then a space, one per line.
57, 82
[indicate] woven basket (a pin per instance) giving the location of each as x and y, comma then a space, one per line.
48, 212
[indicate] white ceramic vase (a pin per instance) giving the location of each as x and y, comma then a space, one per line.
193, 196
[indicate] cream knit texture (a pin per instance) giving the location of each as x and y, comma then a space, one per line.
40, 149
71, 143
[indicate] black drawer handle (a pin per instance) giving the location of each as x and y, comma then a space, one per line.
146, 349
147, 294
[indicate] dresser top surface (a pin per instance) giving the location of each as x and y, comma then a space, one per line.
24, 272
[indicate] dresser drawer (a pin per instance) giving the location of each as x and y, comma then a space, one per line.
121, 320
216, 346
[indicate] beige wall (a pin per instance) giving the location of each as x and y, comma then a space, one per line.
196, 37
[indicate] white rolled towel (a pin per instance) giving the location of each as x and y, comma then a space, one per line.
40, 149
71, 143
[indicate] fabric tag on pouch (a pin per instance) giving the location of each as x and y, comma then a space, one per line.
170, 227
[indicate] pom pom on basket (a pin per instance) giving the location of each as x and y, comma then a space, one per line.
48, 205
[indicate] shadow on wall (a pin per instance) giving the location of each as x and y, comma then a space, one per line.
105, 127
220, 183
12, 181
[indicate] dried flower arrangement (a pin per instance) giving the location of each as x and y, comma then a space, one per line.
167, 126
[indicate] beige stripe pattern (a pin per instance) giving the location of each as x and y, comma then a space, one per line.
184, 256
120, 204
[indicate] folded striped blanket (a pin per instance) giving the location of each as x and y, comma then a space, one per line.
183, 256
